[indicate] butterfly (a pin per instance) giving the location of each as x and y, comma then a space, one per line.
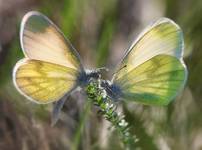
52, 68
151, 72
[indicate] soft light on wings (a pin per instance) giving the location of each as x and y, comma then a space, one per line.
157, 81
51, 67
42, 40
43, 82
154, 70
162, 37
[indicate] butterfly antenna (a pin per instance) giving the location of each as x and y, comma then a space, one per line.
119, 70
103, 68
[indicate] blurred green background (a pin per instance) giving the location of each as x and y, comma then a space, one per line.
101, 31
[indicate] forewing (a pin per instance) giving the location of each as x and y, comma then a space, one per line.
43, 82
156, 81
162, 37
42, 40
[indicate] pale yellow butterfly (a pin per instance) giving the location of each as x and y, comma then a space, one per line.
152, 70
52, 68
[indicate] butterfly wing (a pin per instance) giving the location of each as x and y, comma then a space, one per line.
154, 71
42, 40
43, 82
51, 67
156, 81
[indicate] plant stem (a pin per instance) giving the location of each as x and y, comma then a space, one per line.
80, 127
108, 110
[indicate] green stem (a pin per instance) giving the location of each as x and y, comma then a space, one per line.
108, 109
80, 127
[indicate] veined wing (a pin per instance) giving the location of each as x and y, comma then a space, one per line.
156, 81
43, 82
162, 37
42, 40
153, 70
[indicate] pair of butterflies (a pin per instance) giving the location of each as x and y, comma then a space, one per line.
151, 72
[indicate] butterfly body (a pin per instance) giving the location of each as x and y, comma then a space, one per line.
85, 77
112, 90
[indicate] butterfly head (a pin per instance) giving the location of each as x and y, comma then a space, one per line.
85, 77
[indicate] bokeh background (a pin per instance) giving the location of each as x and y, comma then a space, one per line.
101, 31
